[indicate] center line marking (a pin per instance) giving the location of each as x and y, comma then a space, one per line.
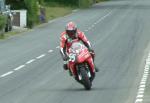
50, 51
57, 47
30, 61
20, 67
8, 73
93, 26
104, 17
41, 56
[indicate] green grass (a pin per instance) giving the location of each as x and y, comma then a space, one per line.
55, 12
101, 0
11, 33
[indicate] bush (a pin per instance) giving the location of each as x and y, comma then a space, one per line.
32, 14
65, 2
2, 25
85, 3
2, 21
32, 9
16, 4
100, 0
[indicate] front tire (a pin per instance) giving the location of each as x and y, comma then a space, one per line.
85, 79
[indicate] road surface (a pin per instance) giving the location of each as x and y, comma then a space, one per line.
31, 67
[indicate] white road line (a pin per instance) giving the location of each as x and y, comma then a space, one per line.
95, 23
142, 86
142, 83
41, 56
140, 92
140, 95
30, 61
147, 67
98, 21
89, 28
145, 76
104, 17
141, 89
138, 100
20, 67
93, 26
148, 63
146, 72
144, 79
57, 47
50, 51
6, 74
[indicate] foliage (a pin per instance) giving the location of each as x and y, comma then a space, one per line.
65, 2
2, 25
85, 3
57, 12
30, 5
16, 4
2, 21
100, 0
32, 14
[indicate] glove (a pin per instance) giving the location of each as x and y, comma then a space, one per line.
91, 50
66, 58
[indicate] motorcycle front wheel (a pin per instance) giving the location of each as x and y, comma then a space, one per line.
85, 79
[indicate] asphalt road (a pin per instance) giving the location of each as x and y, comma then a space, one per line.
31, 67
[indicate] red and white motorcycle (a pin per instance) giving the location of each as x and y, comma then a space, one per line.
81, 64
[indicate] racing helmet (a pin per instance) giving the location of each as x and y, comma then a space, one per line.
71, 30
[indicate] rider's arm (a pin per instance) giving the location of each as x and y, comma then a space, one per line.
84, 40
63, 47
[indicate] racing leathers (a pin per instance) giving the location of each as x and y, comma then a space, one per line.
66, 42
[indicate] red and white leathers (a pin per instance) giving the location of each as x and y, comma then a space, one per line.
65, 42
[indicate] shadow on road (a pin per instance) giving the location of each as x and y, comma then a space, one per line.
81, 89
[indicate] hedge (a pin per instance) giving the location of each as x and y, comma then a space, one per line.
32, 7
2, 25
2, 21
85, 3
32, 14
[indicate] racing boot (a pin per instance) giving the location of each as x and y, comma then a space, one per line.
70, 73
65, 67
96, 69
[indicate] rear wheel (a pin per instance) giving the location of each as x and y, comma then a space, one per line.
85, 79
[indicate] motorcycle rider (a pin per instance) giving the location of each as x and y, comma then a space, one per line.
71, 32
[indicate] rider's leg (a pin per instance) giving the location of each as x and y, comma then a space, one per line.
65, 66
93, 56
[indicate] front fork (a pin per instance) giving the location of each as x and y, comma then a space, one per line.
90, 74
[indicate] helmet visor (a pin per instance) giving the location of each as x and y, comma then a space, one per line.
71, 33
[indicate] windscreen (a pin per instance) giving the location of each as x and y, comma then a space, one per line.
76, 47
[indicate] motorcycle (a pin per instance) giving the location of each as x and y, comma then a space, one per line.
81, 64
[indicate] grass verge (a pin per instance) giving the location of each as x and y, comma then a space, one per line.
55, 12
101, 0
11, 33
